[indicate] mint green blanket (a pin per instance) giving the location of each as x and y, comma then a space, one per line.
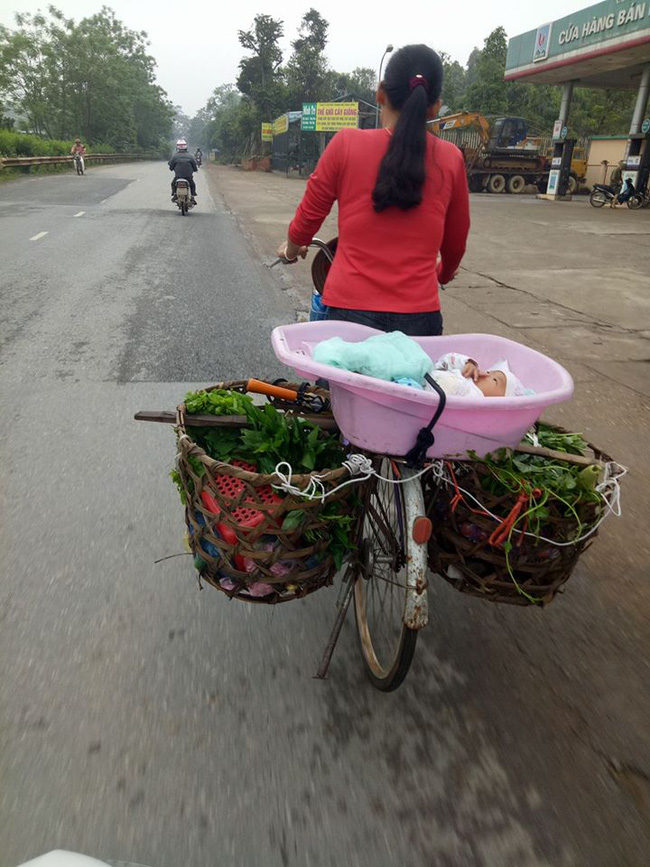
383, 356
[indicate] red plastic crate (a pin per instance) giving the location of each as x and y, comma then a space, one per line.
230, 488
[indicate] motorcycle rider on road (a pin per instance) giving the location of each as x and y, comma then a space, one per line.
198, 156
183, 165
78, 149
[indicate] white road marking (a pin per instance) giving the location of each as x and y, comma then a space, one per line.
80, 214
39, 236
103, 201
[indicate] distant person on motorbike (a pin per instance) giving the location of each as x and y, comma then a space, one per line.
403, 205
198, 156
79, 150
183, 165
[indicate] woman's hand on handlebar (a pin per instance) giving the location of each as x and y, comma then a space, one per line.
290, 252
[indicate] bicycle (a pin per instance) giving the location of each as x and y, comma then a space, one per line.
398, 439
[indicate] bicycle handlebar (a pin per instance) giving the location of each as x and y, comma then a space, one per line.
316, 242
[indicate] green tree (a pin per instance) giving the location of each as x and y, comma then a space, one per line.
307, 69
180, 124
454, 83
260, 75
197, 135
94, 79
361, 83
601, 112
537, 103
471, 73
488, 92
226, 123
24, 69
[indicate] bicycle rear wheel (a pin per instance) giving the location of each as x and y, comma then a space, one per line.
380, 588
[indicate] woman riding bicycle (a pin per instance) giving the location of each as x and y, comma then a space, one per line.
403, 204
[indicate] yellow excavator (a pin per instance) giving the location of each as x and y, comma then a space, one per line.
500, 154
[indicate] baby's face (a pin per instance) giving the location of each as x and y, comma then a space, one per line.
492, 383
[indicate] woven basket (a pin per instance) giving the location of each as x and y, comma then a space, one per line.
460, 552
235, 524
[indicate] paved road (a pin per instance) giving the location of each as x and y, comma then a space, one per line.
145, 721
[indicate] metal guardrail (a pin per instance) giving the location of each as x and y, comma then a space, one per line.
10, 162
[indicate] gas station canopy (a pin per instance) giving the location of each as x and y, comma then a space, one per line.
606, 45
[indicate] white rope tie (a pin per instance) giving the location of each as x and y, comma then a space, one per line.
359, 466
315, 489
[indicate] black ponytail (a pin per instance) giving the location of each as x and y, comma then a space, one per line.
412, 83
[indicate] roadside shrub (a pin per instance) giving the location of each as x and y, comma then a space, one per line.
21, 144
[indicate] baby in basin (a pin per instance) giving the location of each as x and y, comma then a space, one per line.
460, 375
395, 357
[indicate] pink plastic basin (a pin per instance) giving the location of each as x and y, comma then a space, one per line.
385, 417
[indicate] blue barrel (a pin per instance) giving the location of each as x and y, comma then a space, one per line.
318, 310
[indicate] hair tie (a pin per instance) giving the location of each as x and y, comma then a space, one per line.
417, 81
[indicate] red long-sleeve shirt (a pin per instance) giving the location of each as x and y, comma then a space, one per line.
386, 261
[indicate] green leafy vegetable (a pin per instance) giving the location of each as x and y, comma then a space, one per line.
175, 476
339, 531
551, 438
269, 438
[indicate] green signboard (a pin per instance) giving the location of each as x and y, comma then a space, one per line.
616, 20
308, 119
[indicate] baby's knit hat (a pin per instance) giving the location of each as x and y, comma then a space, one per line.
514, 386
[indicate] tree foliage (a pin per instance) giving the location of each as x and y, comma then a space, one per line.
261, 78
488, 89
361, 83
93, 78
307, 69
481, 87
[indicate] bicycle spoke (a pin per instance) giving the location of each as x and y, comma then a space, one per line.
385, 592
382, 577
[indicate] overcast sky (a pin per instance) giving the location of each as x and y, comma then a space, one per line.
358, 32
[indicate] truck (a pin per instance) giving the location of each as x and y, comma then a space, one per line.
500, 154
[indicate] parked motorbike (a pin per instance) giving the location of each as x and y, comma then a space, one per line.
183, 196
603, 194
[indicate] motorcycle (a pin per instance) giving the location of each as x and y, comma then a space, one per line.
199, 159
603, 194
183, 196
79, 164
